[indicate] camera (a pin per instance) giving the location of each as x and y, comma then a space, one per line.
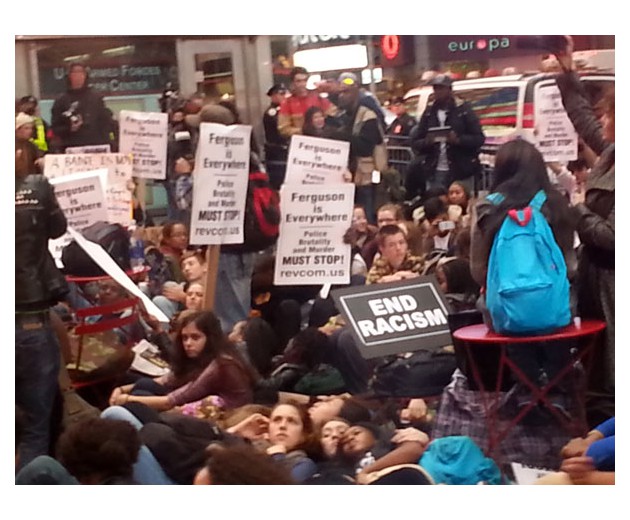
72, 114
170, 97
553, 44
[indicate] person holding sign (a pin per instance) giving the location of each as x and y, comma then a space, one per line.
360, 126
395, 263
596, 222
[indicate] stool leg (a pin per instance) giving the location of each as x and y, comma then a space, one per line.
488, 408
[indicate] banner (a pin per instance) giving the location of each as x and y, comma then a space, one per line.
145, 135
94, 148
220, 184
81, 196
119, 171
393, 318
310, 247
556, 139
313, 160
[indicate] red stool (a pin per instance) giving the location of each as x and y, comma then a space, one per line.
476, 336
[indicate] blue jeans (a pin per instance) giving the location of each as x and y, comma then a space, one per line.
364, 195
37, 362
440, 179
147, 469
168, 307
233, 291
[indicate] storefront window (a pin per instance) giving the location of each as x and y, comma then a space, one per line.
118, 66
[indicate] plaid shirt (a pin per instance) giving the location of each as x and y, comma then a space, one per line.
461, 412
382, 267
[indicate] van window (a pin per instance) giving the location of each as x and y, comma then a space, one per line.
496, 107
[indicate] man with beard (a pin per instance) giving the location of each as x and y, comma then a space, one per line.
359, 125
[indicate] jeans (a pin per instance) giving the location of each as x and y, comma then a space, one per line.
168, 307
147, 469
37, 362
440, 179
364, 195
44, 470
233, 289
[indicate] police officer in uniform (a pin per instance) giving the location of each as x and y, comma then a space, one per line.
402, 125
276, 146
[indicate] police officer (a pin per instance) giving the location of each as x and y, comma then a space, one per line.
276, 146
29, 105
402, 125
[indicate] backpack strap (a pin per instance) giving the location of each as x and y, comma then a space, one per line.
495, 198
538, 200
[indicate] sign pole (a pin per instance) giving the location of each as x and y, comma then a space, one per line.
212, 269
141, 194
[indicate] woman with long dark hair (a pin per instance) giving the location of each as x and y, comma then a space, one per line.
203, 363
519, 174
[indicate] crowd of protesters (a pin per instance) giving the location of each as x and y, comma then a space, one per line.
270, 387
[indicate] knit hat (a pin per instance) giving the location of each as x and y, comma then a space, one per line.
211, 114
23, 119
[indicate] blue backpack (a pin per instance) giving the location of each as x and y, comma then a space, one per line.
527, 289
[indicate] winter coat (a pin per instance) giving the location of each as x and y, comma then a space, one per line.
596, 223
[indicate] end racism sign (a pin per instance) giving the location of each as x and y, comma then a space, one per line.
396, 317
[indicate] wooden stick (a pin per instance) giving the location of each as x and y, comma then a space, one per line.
212, 269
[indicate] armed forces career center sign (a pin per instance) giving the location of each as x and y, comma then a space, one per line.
397, 317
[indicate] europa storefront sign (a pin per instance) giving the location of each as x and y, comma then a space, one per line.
450, 48
112, 80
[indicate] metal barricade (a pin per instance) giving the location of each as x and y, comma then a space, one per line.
399, 153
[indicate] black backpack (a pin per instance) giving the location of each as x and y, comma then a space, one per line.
423, 374
113, 238
262, 213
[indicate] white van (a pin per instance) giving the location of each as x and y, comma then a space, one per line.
506, 105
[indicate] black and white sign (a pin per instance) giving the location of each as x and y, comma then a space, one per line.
394, 318
311, 250
313, 160
220, 184
556, 139
144, 135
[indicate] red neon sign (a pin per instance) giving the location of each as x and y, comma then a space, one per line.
390, 45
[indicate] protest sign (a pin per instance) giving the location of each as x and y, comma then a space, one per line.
220, 184
310, 246
556, 139
95, 148
393, 318
107, 264
144, 135
81, 196
119, 168
313, 160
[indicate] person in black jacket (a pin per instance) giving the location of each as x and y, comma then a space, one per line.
38, 286
451, 154
79, 117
